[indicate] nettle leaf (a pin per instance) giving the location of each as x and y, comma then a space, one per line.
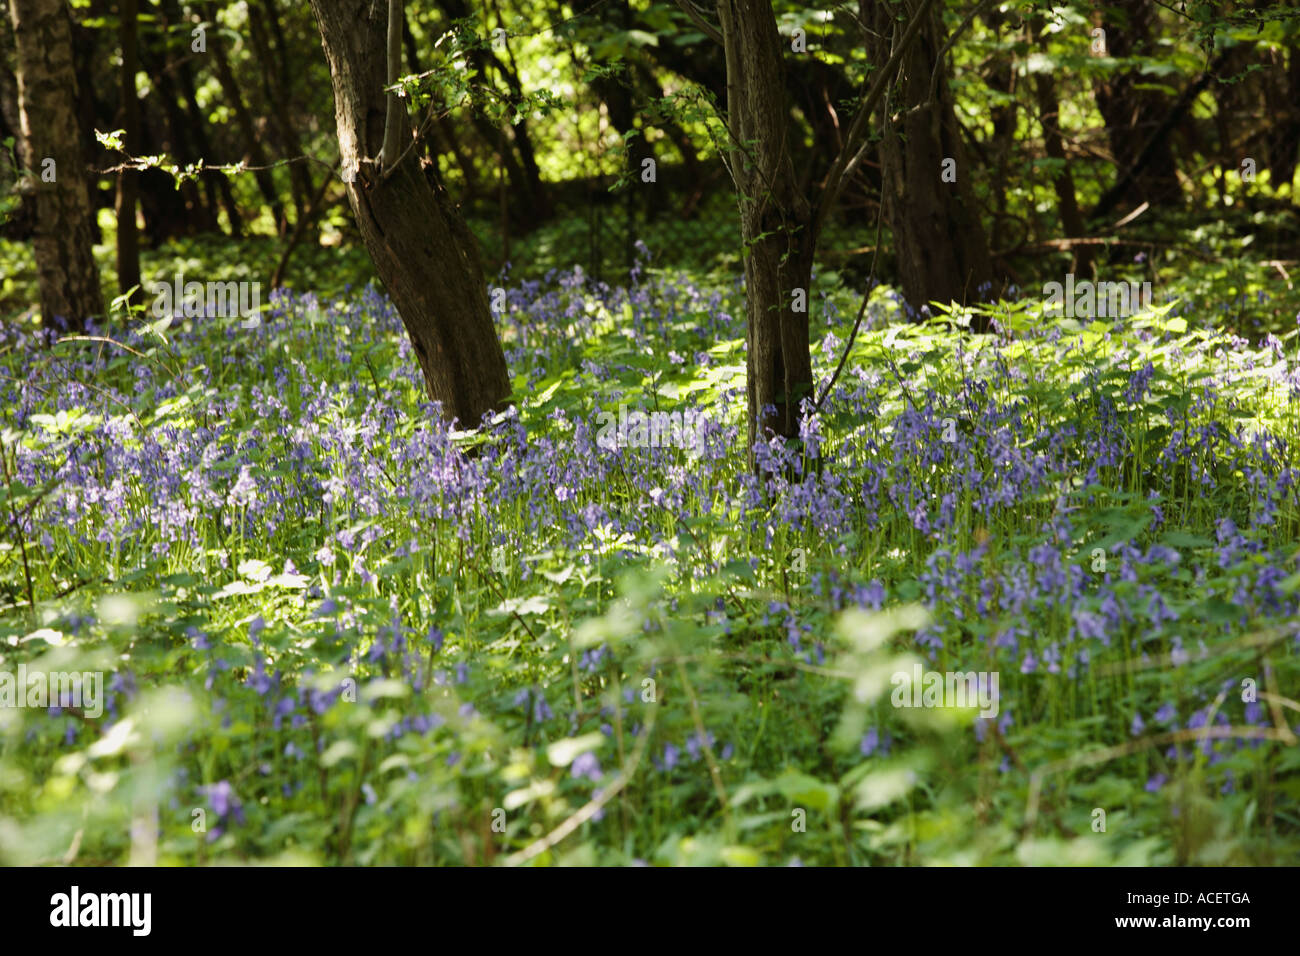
254, 569
808, 791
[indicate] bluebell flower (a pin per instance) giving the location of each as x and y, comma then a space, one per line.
585, 765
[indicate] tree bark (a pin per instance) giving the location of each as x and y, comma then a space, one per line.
940, 243
92, 111
775, 221
47, 91
1001, 76
1282, 99
20, 225
419, 244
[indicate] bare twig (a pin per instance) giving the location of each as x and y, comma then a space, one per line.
17, 526
1106, 754
588, 810
862, 311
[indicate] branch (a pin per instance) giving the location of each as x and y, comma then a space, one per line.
396, 108
161, 163
855, 142
589, 810
708, 29
1113, 195
938, 60
1093, 757
862, 310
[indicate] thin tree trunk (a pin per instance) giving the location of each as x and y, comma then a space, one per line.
445, 131
1282, 99
278, 97
166, 210
195, 214
533, 200
1063, 182
21, 223
253, 149
128, 238
201, 144
92, 112
47, 92
1231, 104
1001, 76
1157, 146
775, 221
300, 227
537, 197
1131, 114
940, 243
419, 244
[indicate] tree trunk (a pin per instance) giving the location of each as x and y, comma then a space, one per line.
1132, 115
537, 199
20, 225
421, 248
1231, 105
47, 90
775, 221
194, 129
1282, 137
167, 210
92, 112
942, 250
616, 92
276, 87
444, 139
171, 208
1001, 76
128, 239
533, 202
1049, 116
253, 149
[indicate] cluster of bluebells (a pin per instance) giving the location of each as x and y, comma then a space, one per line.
252, 445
